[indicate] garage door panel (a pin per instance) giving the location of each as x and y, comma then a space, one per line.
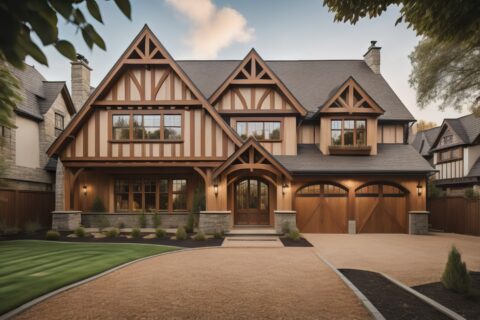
321, 214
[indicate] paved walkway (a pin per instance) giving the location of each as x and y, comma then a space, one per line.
221, 283
411, 259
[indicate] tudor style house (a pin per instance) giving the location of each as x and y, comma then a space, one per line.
322, 144
455, 153
423, 141
41, 115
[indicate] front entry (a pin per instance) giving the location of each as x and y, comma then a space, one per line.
251, 202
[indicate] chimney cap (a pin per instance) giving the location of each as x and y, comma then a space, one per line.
373, 43
81, 57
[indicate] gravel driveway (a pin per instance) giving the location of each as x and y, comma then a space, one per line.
411, 259
220, 283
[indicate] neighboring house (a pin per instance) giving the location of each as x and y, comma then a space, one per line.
456, 154
423, 141
42, 114
322, 142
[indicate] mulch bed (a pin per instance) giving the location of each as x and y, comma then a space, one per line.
392, 301
188, 243
468, 307
302, 242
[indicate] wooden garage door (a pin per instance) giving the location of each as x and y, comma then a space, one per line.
381, 208
322, 208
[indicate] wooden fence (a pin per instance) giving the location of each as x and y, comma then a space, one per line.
18, 207
455, 214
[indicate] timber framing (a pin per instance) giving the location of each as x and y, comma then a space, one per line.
253, 71
152, 50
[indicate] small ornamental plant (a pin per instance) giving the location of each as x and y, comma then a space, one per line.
219, 235
455, 276
181, 234
80, 232
286, 227
156, 220
190, 223
160, 233
200, 236
52, 235
294, 234
136, 233
142, 220
112, 233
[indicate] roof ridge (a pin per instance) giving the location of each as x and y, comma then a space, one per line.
267, 60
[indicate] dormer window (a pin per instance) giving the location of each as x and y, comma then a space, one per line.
59, 124
261, 130
349, 132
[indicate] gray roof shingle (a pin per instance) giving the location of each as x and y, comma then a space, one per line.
312, 82
428, 136
391, 158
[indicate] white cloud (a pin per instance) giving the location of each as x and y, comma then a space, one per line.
212, 28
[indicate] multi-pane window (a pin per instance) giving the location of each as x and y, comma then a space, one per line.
172, 127
150, 194
167, 127
121, 127
261, 130
349, 132
450, 154
59, 124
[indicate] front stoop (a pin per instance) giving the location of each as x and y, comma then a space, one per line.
263, 241
246, 231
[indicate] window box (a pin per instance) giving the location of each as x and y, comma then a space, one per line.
350, 150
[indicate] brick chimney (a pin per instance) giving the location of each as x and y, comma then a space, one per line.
80, 81
372, 57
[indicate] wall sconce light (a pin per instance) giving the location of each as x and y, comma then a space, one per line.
215, 189
84, 190
284, 188
419, 189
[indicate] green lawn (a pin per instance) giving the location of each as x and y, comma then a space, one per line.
29, 269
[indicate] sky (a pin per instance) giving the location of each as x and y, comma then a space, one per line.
228, 29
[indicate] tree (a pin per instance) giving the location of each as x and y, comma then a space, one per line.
423, 125
446, 62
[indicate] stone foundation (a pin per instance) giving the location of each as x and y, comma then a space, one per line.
66, 220
131, 220
214, 221
418, 222
282, 216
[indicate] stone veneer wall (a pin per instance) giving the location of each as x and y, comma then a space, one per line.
282, 217
66, 220
131, 220
212, 222
418, 222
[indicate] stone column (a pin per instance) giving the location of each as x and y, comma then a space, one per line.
214, 221
66, 220
283, 216
59, 187
418, 222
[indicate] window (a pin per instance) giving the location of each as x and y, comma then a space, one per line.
150, 194
59, 124
261, 130
164, 127
121, 127
450, 155
349, 132
172, 127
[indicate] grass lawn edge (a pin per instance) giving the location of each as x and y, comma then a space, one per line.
13, 312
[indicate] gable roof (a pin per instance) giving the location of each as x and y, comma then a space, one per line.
132, 53
255, 76
467, 128
428, 137
38, 94
312, 82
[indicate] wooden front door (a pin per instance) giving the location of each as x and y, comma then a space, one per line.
251, 202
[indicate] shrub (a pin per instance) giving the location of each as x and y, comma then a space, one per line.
161, 233
190, 223
156, 220
142, 220
470, 193
97, 205
218, 235
80, 232
285, 227
181, 234
32, 227
52, 235
294, 234
112, 233
136, 233
455, 276
200, 236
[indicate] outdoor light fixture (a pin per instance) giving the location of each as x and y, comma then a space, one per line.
419, 189
284, 188
84, 190
215, 189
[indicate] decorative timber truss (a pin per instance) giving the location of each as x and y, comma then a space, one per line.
253, 73
351, 98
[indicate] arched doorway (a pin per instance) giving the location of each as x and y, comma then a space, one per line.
251, 202
322, 207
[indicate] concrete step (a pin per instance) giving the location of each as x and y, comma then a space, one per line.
243, 241
252, 232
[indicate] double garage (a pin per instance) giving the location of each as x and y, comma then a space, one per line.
375, 206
